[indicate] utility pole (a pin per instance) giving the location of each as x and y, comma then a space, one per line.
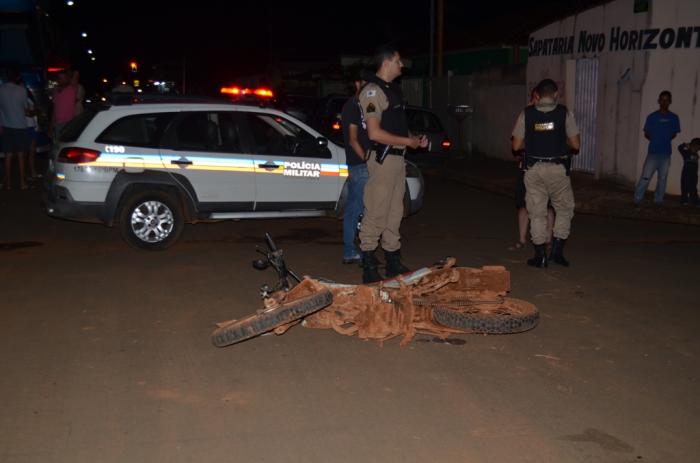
440, 32
431, 70
184, 74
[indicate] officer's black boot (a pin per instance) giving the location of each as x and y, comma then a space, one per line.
370, 274
393, 264
557, 254
540, 259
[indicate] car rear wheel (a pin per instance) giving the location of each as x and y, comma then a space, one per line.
151, 220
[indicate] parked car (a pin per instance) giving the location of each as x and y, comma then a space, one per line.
300, 106
424, 121
326, 116
149, 167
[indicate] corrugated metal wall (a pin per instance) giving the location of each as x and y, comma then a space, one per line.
586, 111
412, 88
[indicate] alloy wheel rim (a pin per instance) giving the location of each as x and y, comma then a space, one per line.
152, 221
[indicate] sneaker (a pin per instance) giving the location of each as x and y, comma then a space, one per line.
354, 259
684, 203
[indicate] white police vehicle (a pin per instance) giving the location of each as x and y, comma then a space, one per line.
150, 167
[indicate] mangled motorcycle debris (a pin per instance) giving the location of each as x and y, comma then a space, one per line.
440, 300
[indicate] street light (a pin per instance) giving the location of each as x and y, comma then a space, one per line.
134, 66
83, 34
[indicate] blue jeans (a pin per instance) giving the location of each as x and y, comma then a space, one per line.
658, 163
354, 206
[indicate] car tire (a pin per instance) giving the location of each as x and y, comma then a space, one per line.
151, 220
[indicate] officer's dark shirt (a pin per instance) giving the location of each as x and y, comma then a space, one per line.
393, 117
351, 115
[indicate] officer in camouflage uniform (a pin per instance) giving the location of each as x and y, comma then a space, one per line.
548, 133
382, 106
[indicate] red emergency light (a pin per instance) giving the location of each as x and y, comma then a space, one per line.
238, 91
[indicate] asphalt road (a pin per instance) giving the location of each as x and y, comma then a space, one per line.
106, 354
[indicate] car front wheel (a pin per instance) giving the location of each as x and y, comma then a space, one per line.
151, 220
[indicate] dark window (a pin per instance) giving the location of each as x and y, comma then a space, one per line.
275, 135
230, 127
75, 127
336, 106
144, 130
197, 131
422, 121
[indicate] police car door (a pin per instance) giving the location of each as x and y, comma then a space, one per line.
203, 150
294, 169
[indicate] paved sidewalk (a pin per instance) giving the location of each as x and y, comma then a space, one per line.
598, 197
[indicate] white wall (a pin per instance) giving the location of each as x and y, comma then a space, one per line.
629, 80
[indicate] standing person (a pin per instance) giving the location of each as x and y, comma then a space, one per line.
689, 175
520, 206
32, 126
382, 106
548, 133
63, 104
13, 112
660, 128
356, 145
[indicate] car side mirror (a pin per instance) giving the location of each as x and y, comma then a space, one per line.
322, 141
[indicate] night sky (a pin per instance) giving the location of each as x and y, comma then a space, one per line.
221, 40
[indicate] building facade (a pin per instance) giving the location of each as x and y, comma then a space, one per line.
611, 62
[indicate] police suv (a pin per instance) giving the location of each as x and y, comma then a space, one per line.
151, 166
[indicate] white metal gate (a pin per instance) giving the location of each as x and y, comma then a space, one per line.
585, 111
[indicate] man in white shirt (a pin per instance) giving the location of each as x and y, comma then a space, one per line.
15, 137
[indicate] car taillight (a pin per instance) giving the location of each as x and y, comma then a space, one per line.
336, 125
77, 155
446, 144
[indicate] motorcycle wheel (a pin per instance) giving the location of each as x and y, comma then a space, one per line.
504, 317
259, 323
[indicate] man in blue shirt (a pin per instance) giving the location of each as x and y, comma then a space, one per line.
660, 128
356, 144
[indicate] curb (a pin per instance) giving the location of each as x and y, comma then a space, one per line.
621, 208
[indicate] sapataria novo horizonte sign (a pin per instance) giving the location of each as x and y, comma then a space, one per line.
617, 40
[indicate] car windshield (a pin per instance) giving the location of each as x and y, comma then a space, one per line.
337, 106
419, 120
75, 127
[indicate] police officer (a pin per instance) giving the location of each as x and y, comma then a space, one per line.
548, 133
382, 106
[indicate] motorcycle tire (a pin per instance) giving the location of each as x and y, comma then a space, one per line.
509, 316
259, 323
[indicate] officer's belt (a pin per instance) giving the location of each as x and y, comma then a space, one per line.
393, 151
531, 160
